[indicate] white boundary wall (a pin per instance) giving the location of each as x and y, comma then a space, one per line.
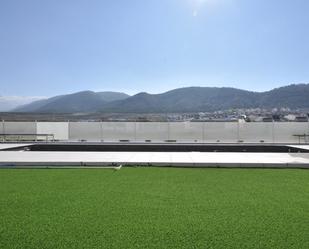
155, 131
221, 132
58, 129
84, 131
209, 132
257, 132
112, 131
186, 131
19, 127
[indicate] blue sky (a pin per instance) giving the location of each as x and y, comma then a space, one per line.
53, 47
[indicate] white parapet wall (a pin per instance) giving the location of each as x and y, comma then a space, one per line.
186, 131
85, 131
115, 131
154, 131
284, 132
256, 132
220, 132
60, 130
208, 132
19, 127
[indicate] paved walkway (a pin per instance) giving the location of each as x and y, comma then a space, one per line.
188, 159
4, 146
304, 147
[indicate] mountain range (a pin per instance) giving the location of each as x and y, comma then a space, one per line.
189, 99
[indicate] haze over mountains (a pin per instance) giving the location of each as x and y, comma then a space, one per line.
10, 102
86, 101
190, 99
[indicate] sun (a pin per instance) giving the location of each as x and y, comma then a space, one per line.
198, 5
199, 2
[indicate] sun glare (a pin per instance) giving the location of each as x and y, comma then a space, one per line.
197, 5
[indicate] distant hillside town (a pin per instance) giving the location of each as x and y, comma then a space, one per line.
231, 115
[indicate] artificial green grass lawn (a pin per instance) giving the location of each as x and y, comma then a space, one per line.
154, 208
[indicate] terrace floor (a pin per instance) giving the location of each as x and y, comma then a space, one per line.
5, 146
21, 158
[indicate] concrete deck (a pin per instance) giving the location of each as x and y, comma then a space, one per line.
4, 146
303, 147
185, 159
